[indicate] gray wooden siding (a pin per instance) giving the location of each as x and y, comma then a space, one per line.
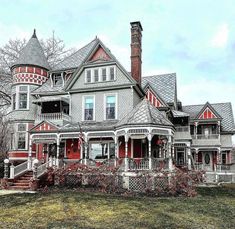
226, 140
124, 104
121, 79
25, 115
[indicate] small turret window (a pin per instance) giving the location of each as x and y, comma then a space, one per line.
20, 98
57, 80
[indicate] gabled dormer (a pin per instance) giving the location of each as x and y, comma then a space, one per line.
207, 113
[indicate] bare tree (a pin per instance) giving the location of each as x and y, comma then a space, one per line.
54, 49
4, 136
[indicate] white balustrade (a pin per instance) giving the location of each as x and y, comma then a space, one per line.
19, 169
42, 169
53, 116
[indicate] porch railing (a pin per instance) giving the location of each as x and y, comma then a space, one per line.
182, 129
138, 164
225, 167
203, 136
42, 169
53, 116
19, 169
160, 163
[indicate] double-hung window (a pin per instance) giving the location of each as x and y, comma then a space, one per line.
14, 101
104, 76
96, 75
89, 108
110, 107
21, 136
88, 76
111, 72
23, 97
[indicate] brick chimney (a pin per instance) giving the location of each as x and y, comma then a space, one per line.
136, 50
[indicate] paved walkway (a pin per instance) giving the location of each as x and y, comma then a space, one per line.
6, 192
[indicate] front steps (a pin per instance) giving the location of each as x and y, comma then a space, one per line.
22, 182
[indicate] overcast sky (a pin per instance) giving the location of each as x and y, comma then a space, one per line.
195, 39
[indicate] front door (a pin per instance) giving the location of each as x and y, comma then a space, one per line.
207, 161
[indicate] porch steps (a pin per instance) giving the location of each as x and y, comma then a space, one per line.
22, 182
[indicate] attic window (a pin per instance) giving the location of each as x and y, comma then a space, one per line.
102, 74
57, 80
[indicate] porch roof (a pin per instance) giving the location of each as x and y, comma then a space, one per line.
51, 99
144, 114
178, 114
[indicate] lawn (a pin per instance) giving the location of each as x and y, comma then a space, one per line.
212, 208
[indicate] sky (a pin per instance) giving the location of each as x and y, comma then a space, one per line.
195, 39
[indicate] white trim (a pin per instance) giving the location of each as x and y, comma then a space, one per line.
100, 77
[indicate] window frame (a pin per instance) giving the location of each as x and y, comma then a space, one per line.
17, 93
18, 132
100, 78
116, 105
84, 106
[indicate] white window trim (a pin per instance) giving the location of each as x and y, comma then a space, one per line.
89, 69
17, 93
83, 107
116, 105
100, 77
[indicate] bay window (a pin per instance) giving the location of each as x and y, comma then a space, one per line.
20, 98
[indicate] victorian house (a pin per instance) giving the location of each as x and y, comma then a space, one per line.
90, 109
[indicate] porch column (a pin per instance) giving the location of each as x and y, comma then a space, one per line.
86, 148
116, 149
188, 151
30, 154
57, 150
126, 152
218, 159
196, 158
195, 129
169, 153
218, 126
150, 153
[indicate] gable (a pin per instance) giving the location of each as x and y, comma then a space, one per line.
154, 98
44, 126
119, 78
100, 54
207, 114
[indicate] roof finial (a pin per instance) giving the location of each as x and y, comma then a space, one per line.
34, 34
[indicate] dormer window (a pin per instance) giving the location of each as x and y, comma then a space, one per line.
104, 78
57, 80
112, 75
96, 75
88, 76
102, 74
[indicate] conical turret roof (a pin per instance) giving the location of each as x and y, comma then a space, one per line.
32, 54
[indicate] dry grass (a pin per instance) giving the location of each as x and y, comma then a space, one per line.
212, 208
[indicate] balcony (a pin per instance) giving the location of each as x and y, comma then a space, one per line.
206, 140
57, 118
182, 132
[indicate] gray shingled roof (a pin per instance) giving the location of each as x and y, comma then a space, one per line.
177, 114
46, 88
144, 113
164, 85
76, 59
32, 54
223, 109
